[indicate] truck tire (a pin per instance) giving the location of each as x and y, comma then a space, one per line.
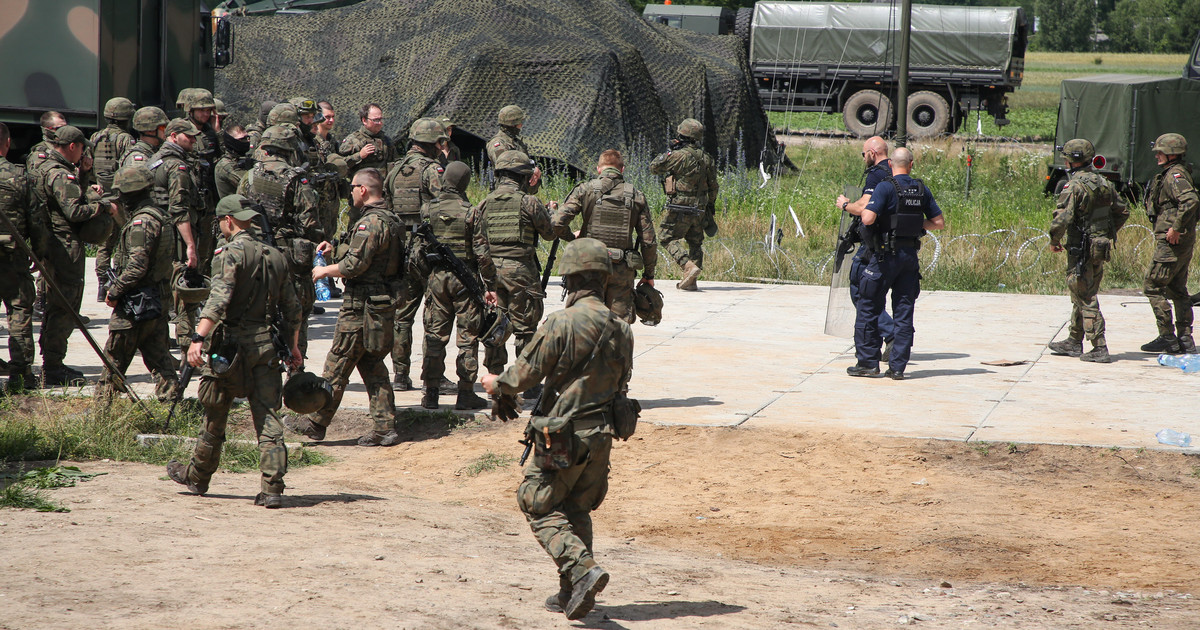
867, 113
741, 25
928, 115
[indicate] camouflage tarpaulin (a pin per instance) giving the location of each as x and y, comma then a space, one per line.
591, 74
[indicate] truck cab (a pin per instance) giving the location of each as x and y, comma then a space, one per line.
701, 19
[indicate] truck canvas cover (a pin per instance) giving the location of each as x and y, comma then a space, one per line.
591, 74
832, 33
1122, 114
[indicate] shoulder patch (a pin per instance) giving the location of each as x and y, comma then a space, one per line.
219, 250
138, 158
72, 177
303, 180
183, 167
1176, 175
441, 170
362, 227
497, 144
137, 222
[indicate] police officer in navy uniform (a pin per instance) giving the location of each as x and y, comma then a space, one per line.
900, 211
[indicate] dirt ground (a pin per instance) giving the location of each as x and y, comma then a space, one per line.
702, 528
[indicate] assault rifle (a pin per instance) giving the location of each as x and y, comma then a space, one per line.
1082, 252
846, 243
439, 253
278, 328
319, 177
549, 264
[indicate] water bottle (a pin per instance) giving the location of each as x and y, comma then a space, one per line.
220, 364
322, 285
1171, 436
1189, 363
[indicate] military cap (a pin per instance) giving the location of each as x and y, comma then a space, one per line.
200, 99
511, 115
130, 179
236, 206
456, 177
147, 119
1170, 144
514, 161
182, 125
691, 129
278, 137
427, 130
584, 254
1079, 150
119, 108
219, 107
66, 134
283, 114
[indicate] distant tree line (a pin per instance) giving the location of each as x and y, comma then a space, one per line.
1146, 26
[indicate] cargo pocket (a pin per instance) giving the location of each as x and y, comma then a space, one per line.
634, 260
378, 332
1101, 249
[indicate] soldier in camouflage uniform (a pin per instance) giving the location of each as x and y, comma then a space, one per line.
145, 258
452, 152
249, 285
510, 220
71, 210
234, 163
1088, 203
49, 121
109, 148
690, 181
151, 125
1171, 204
453, 221
368, 147
614, 212
363, 336
585, 354
17, 292
411, 183
177, 190
254, 130
324, 163
511, 119
283, 189
205, 152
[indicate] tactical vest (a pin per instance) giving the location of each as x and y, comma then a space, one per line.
161, 168
404, 186
14, 195
690, 179
385, 266
504, 222
909, 219
162, 263
611, 219
1102, 194
269, 187
448, 218
104, 155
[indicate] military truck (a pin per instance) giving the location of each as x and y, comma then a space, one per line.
701, 19
72, 56
1122, 115
842, 57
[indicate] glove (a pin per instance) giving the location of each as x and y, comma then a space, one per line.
505, 407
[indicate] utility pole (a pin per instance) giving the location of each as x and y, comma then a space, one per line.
902, 75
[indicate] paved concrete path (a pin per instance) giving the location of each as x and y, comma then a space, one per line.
755, 355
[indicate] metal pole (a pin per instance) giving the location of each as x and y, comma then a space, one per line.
902, 78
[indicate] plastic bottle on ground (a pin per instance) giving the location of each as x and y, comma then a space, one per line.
1173, 437
1189, 363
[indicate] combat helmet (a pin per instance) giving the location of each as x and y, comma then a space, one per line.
427, 130
219, 107
514, 161
511, 115
306, 392
585, 254
119, 108
130, 179
147, 119
1170, 144
691, 129
192, 288
200, 99
496, 328
279, 137
306, 105
1079, 150
648, 304
283, 114
456, 177
185, 96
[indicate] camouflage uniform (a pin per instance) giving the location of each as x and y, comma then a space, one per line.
176, 190
17, 292
110, 146
446, 300
385, 152
1172, 202
508, 138
249, 282
331, 191
509, 223
139, 154
1087, 202
363, 336
558, 503
145, 257
205, 153
67, 205
291, 207
410, 184
692, 175
613, 212
230, 170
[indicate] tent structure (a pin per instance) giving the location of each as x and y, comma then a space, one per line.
591, 74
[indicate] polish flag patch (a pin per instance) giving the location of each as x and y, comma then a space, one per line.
138, 222
219, 250
362, 227
70, 177
497, 144
138, 158
183, 167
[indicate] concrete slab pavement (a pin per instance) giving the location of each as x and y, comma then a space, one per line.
754, 355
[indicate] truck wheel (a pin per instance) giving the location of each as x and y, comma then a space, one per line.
741, 25
867, 113
928, 115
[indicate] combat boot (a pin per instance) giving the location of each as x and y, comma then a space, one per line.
1162, 344
318, 310
448, 387
468, 399
269, 500
61, 375
1066, 348
862, 370
887, 350
378, 438
1099, 354
430, 399
558, 601
583, 593
20, 380
177, 471
691, 273
401, 383
1187, 345
306, 427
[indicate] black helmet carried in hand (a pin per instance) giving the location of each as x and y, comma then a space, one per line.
648, 304
306, 392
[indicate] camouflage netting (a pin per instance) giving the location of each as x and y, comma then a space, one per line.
591, 74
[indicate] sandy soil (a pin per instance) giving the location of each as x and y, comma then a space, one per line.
702, 528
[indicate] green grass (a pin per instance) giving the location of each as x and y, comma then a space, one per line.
487, 462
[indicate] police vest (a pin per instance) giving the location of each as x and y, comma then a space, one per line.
448, 218
611, 219
104, 155
1102, 196
162, 258
909, 219
504, 222
404, 186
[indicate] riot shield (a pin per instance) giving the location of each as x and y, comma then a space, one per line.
840, 312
